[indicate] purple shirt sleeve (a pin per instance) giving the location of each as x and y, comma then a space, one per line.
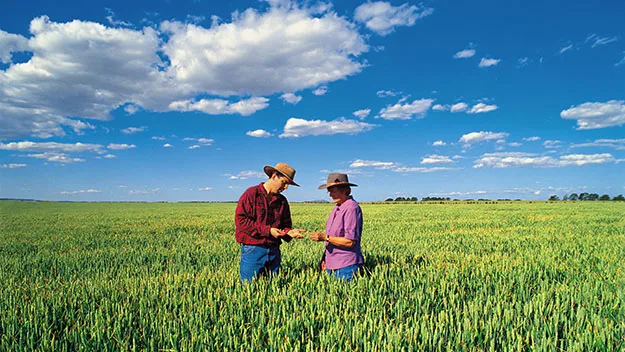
352, 222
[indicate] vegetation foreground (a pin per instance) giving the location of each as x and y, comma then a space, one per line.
504, 277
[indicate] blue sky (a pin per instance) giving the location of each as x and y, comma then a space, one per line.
188, 100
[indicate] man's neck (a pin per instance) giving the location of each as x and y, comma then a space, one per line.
267, 188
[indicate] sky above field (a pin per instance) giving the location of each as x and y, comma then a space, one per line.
188, 100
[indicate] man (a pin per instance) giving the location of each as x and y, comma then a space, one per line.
263, 220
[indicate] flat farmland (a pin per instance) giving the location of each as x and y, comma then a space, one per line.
513, 276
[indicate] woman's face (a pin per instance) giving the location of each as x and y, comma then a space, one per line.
338, 194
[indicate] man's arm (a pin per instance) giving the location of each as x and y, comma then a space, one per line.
245, 218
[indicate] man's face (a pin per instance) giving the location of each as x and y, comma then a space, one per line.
280, 183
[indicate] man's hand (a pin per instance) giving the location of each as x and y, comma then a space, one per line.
277, 233
296, 233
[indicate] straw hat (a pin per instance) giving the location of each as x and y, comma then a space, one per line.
337, 180
284, 169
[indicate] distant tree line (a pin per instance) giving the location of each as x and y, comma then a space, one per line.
586, 196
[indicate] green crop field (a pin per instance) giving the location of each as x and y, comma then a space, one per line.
471, 277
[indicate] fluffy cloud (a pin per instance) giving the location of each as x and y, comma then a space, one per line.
393, 166
205, 142
439, 107
585, 159
291, 98
464, 54
489, 62
77, 69
244, 175
56, 157
219, 106
436, 159
387, 93
478, 137
361, 114
285, 49
295, 127
10, 43
358, 163
459, 107
400, 111
167, 145
114, 146
596, 115
531, 139
27, 146
507, 160
259, 134
320, 91
481, 107
382, 17
84, 69
439, 144
552, 144
131, 130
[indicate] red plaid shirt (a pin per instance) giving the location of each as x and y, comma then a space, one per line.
257, 212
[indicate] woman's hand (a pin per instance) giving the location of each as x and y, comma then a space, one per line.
317, 236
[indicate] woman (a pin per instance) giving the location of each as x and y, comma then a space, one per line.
342, 257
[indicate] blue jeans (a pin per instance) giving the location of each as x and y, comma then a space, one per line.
347, 273
259, 261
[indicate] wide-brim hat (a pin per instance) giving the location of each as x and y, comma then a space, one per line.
284, 169
336, 179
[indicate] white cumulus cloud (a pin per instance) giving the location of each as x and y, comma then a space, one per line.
487, 62
132, 130
459, 107
358, 163
482, 136
381, 17
115, 146
259, 133
464, 54
291, 98
11, 43
401, 111
507, 160
361, 114
28, 146
296, 127
436, 159
596, 115
481, 108
83, 70
243, 107
439, 144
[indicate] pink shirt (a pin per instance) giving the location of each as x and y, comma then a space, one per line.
344, 221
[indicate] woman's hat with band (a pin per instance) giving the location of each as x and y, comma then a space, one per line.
284, 169
337, 180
